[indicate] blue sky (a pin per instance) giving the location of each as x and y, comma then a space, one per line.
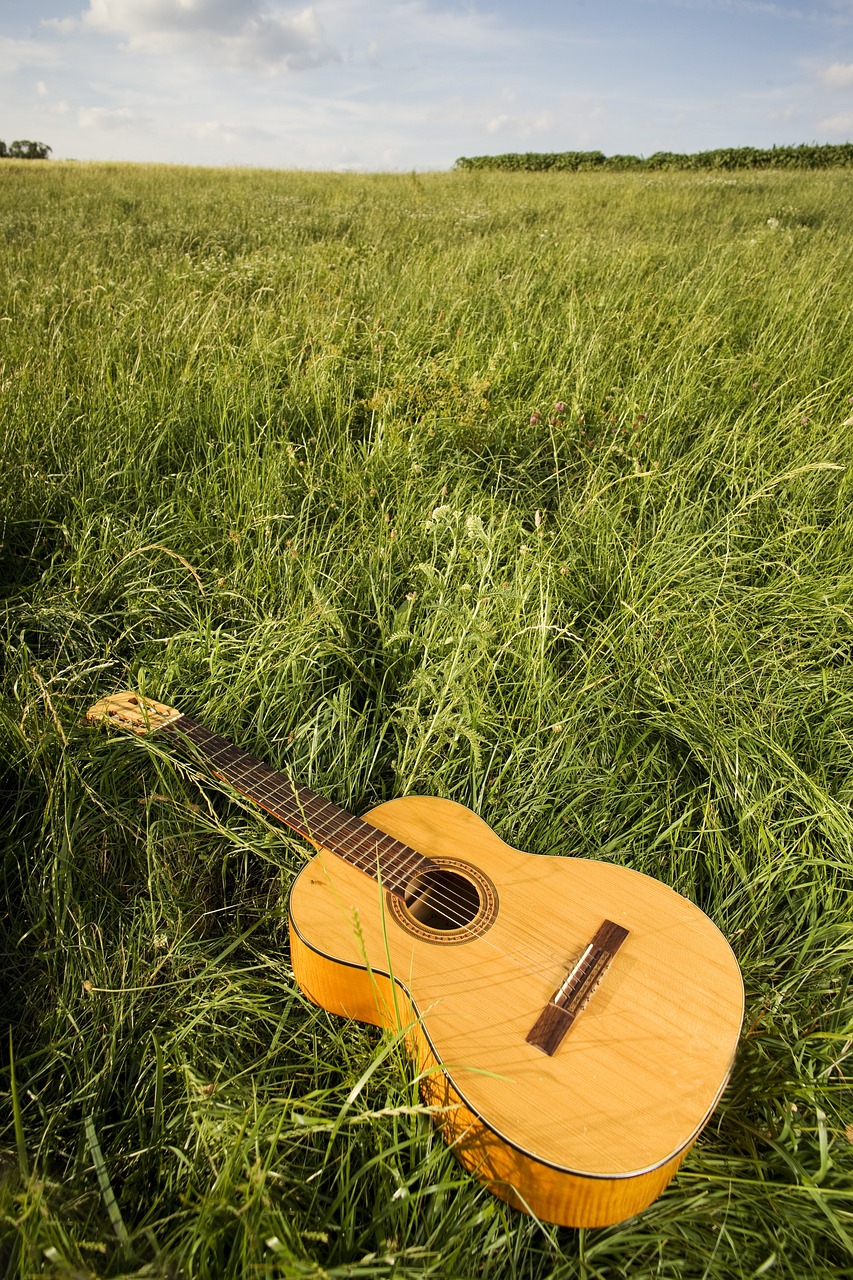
379, 84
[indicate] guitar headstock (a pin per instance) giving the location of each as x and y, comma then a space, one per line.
130, 711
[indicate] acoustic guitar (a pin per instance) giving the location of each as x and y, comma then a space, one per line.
573, 1023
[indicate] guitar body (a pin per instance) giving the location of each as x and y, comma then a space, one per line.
592, 1131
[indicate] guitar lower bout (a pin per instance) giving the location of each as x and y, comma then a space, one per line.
554, 1195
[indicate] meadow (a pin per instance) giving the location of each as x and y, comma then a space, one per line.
533, 491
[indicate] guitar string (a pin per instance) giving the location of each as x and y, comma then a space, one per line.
450, 901
193, 731
581, 969
234, 771
304, 797
331, 837
284, 789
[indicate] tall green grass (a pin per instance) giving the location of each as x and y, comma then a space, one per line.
283, 450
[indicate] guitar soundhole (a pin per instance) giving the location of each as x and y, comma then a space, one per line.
451, 902
443, 900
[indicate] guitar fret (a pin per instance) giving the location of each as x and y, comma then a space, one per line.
388, 858
319, 820
397, 855
296, 808
340, 820
279, 795
361, 834
277, 790
400, 854
255, 767
283, 791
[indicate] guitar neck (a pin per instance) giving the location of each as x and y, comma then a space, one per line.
322, 823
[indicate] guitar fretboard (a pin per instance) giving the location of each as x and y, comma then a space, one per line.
321, 822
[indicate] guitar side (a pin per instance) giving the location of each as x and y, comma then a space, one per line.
579, 1138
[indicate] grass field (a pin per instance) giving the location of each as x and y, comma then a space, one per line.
283, 450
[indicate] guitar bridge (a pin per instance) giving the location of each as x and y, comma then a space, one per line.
570, 998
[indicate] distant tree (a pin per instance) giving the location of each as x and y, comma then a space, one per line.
3, 150
23, 149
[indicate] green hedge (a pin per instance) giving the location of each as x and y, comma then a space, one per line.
805, 156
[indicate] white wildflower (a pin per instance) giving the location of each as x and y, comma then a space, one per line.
475, 528
439, 515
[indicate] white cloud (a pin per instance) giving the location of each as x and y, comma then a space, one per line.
763, 8
106, 118
524, 126
782, 114
41, 88
210, 129
840, 124
426, 25
247, 36
249, 138
18, 54
838, 76
216, 132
